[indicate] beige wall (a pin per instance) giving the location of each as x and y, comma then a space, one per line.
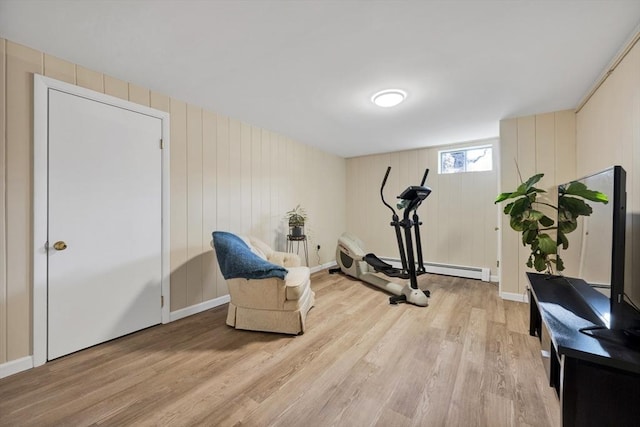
459, 217
225, 175
567, 145
608, 133
544, 143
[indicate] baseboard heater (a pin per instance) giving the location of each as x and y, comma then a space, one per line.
479, 273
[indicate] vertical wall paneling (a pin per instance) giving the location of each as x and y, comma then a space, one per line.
264, 194
159, 101
89, 79
403, 171
194, 205
235, 176
22, 63
3, 207
59, 69
295, 162
509, 261
209, 208
546, 163
352, 172
288, 201
313, 160
245, 178
257, 182
115, 87
527, 166
139, 95
608, 133
545, 149
178, 204
276, 166
565, 147
223, 186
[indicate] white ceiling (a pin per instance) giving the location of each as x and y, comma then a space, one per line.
307, 69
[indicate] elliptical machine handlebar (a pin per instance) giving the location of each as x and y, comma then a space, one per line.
384, 182
424, 177
395, 223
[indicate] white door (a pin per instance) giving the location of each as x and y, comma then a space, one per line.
105, 206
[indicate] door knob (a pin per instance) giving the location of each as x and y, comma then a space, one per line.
60, 246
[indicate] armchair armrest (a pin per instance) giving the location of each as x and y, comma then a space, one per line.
285, 259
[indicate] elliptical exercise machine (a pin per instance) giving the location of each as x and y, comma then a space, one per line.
353, 261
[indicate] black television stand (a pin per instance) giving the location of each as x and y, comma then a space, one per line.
629, 338
596, 374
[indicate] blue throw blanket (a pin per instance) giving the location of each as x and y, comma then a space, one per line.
236, 259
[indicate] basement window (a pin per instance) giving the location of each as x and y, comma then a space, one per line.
470, 159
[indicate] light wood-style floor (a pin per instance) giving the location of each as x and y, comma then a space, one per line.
466, 360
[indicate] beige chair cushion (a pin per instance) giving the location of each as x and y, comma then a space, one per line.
284, 259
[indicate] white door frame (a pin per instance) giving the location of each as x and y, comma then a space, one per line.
41, 87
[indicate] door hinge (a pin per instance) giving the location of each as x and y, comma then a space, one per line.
161, 301
498, 263
161, 143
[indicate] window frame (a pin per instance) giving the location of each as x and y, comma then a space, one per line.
465, 149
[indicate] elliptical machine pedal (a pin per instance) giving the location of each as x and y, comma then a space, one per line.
396, 299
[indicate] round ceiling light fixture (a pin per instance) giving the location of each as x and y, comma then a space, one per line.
389, 97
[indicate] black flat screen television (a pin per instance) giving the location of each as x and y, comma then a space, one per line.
596, 251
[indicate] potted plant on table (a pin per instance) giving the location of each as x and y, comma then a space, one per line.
535, 225
296, 218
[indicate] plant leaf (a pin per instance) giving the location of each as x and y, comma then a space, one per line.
546, 244
535, 215
567, 226
503, 196
546, 221
534, 179
516, 223
575, 206
539, 262
562, 240
519, 206
579, 189
528, 236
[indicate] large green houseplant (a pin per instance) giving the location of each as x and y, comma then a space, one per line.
534, 225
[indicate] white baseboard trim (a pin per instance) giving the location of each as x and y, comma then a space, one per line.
495, 279
323, 267
510, 296
198, 308
15, 366
479, 273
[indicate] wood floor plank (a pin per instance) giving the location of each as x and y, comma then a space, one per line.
466, 359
